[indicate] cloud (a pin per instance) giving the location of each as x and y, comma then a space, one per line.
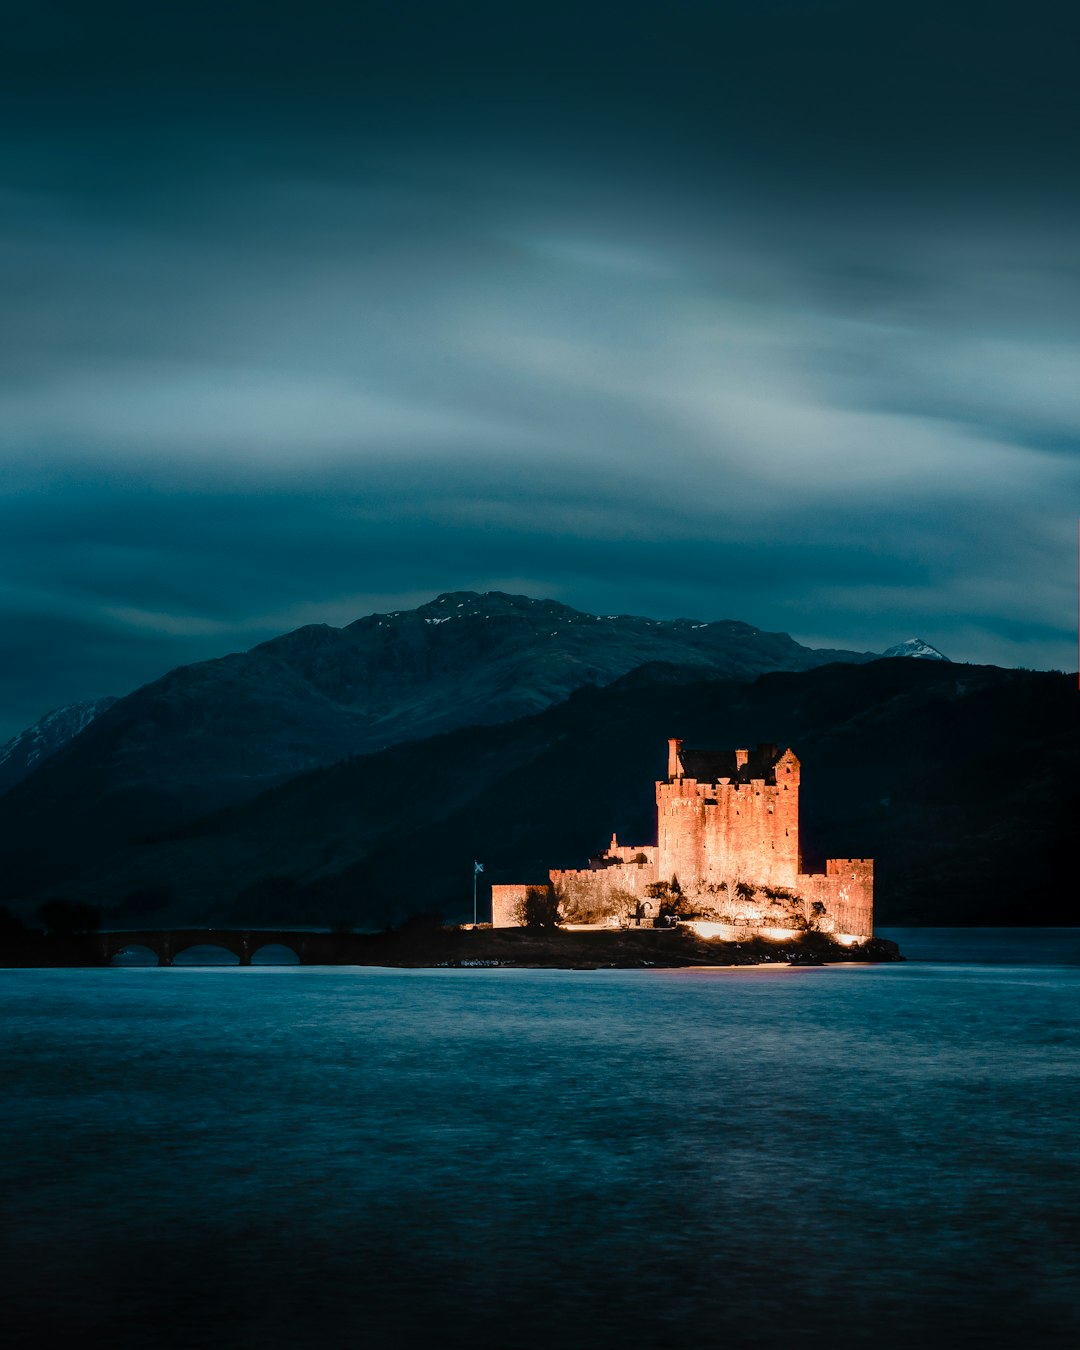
252, 417
789, 346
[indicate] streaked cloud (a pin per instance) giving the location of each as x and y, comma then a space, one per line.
314, 346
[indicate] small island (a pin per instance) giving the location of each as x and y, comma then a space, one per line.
727, 823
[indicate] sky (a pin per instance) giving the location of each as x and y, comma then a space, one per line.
766, 311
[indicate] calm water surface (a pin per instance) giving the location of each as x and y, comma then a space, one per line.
262, 1157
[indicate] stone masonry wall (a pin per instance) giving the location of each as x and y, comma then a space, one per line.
595, 887
846, 890
506, 904
719, 832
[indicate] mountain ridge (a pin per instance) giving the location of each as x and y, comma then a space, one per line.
221, 731
310, 649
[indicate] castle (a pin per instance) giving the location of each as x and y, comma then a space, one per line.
727, 854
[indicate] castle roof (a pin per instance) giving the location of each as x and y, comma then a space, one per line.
740, 766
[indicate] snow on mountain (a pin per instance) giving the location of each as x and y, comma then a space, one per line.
24, 752
918, 648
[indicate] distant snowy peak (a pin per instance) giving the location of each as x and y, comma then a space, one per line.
24, 752
916, 647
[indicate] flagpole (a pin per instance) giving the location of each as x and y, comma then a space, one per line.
474, 874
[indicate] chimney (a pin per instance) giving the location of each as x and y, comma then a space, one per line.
674, 759
741, 756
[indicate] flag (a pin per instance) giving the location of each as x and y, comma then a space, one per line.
477, 867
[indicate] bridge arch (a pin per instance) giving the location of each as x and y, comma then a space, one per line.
275, 947
133, 954
205, 954
275, 953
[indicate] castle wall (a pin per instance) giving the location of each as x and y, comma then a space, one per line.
845, 891
757, 911
597, 888
739, 932
506, 904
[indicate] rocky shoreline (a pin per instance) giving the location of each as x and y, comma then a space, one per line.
618, 949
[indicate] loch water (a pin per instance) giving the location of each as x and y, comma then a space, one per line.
868, 1156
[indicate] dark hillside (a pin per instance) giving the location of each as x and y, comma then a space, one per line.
222, 731
958, 780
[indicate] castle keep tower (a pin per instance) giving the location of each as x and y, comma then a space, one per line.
728, 843
728, 815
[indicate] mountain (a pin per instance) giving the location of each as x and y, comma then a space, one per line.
917, 648
24, 752
959, 782
222, 731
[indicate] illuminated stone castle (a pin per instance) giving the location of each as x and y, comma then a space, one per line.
727, 854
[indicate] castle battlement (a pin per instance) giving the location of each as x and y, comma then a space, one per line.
728, 844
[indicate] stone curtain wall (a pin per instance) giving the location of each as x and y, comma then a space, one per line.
506, 902
846, 890
596, 888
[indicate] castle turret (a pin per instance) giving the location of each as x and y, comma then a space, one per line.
787, 770
674, 759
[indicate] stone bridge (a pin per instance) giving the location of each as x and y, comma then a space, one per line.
311, 949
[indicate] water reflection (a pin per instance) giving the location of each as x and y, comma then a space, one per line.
841, 1158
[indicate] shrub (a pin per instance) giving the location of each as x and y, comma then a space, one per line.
69, 918
673, 904
540, 908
